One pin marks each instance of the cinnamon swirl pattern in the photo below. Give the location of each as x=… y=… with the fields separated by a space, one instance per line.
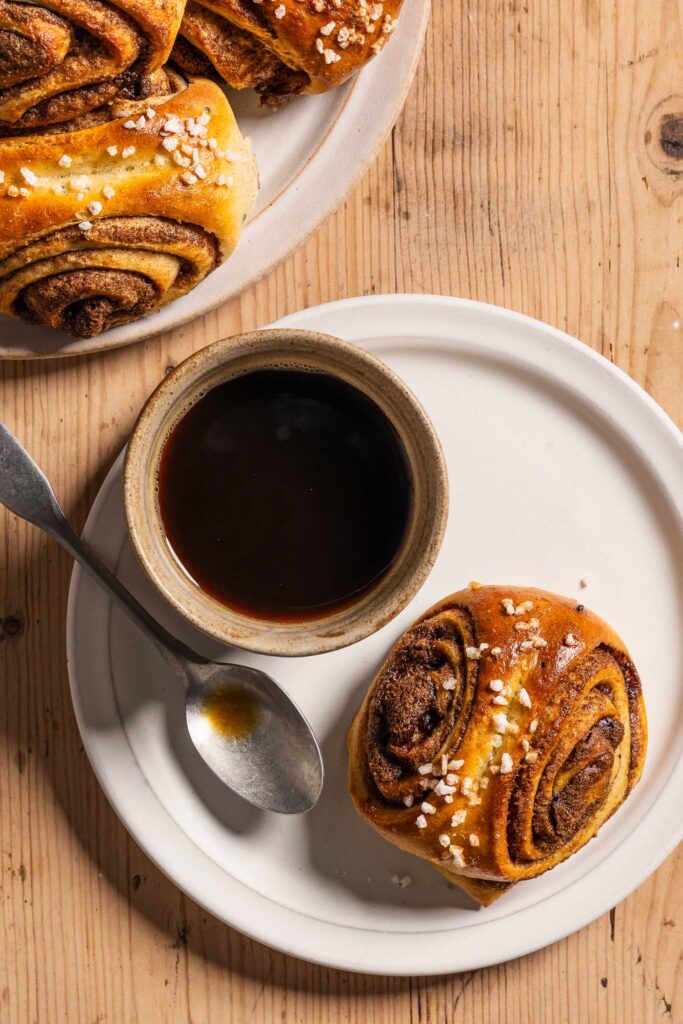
x=104 y=224
x=283 y=47
x=504 y=728
x=60 y=59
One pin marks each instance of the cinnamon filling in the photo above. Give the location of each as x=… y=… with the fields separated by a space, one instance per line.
x=87 y=302
x=62 y=107
x=580 y=788
x=55 y=68
x=31 y=39
x=19 y=57
x=212 y=45
x=554 y=801
x=416 y=706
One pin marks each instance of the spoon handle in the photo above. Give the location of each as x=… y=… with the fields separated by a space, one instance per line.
x=26 y=491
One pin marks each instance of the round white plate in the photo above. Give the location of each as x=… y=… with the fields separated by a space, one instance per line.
x=310 y=155
x=560 y=467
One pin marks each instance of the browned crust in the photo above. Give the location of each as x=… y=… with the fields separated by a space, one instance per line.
x=233 y=54
x=85 y=53
x=97 y=238
x=574 y=754
x=322 y=42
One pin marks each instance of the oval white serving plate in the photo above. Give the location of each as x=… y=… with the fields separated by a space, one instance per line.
x=561 y=467
x=310 y=155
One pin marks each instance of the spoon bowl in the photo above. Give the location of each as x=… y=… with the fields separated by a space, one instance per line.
x=237 y=719
x=242 y=723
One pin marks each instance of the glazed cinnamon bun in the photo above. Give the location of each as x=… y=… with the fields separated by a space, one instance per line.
x=115 y=218
x=504 y=728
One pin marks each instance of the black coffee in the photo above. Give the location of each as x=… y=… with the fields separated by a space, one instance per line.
x=285 y=494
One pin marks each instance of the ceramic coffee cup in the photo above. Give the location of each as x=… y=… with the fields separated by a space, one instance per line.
x=294 y=349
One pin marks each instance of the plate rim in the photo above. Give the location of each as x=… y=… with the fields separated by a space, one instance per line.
x=323 y=157
x=326 y=943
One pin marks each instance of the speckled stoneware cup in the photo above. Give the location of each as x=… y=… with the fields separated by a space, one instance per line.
x=287 y=349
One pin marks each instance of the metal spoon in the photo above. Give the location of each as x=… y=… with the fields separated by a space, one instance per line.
x=241 y=722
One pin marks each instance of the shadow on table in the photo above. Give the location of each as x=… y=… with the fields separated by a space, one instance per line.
x=335 y=815
x=42 y=735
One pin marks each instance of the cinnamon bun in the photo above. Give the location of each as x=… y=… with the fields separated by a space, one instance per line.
x=504 y=728
x=115 y=218
x=283 y=48
x=60 y=59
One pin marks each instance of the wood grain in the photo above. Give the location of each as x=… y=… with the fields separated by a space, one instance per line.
x=538 y=164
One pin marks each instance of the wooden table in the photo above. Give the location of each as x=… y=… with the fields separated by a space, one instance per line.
x=538 y=164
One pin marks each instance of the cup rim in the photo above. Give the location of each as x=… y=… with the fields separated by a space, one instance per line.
x=228 y=357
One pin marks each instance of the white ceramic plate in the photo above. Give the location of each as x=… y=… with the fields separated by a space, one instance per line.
x=560 y=467
x=310 y=155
